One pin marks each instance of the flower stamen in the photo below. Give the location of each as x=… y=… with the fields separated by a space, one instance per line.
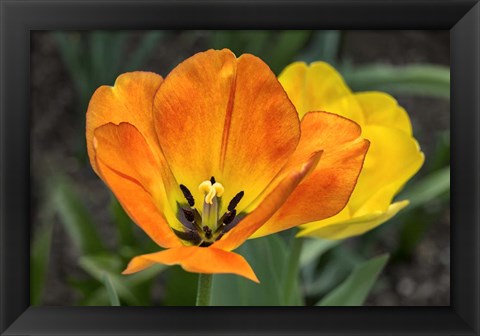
x=188 y=195
x=189 y=235
x=205 y=229
x=189 y=215
x=226 y=219
x=229 y=217
x=235 y=200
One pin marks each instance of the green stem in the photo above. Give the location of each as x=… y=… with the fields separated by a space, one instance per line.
x=204 y=289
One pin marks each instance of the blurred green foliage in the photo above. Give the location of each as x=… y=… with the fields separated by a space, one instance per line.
x=74 y=216
x=276 y=48
x=354 y=290
x=111 y=291
x=96 y=260
x=292 y=271
x=97 y=58
x=275 y=262
x=418 y=79
x=39 y=258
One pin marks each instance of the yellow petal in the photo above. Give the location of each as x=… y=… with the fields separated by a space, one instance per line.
x=394 y=155
x=326 y=191
x=379 y=201
x=230 y=118
x=319 y=87
x=383 y=110
x=393 y=158
x=127 y=165
x=341 y=229
x=195 y=259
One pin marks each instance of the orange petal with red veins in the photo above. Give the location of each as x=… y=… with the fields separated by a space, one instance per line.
x=132 y=172
x=129 y=100
x=326 y=191
x=195 y=259
x=270 y=201
x=218 y=115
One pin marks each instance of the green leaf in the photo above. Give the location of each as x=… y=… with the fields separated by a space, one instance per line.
x=428 y=188
x=354 y=290
x=290 y=282
x=75 y=217
x=39 y=258
x=180 y=287
x=421 y=79
x=85 y=287
x=333 y=267
x=130 y=288
x=111 y=292
x=96 y=297
x=269 y=258
x=314 y=248
x=123 y=224
x=310 y=258
x=97 y=266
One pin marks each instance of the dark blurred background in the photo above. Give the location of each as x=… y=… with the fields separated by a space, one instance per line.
x=80 y=233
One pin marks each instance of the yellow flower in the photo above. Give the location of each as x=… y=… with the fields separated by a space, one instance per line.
x=202 y=159
x=393 y=158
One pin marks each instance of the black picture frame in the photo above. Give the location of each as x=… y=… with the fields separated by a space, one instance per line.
x=19 y=17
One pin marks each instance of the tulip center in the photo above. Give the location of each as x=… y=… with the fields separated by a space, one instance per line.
x=206 y=228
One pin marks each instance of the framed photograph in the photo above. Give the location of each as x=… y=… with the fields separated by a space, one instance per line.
x=299 y=167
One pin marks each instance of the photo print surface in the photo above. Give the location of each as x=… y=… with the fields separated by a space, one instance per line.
x=240 y=168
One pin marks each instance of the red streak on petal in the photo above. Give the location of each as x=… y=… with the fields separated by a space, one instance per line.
x=228 y=119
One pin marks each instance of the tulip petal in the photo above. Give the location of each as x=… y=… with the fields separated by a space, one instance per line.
x=195 y=259
x=393 y=158
x=216 y=115
x=382 y=109
x=132 y=172
x=271 y=201
x=326 y=191
x=319 y=87
x=335 y=229
x=129 y=100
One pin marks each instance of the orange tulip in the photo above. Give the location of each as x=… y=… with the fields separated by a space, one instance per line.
x=202 y=159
